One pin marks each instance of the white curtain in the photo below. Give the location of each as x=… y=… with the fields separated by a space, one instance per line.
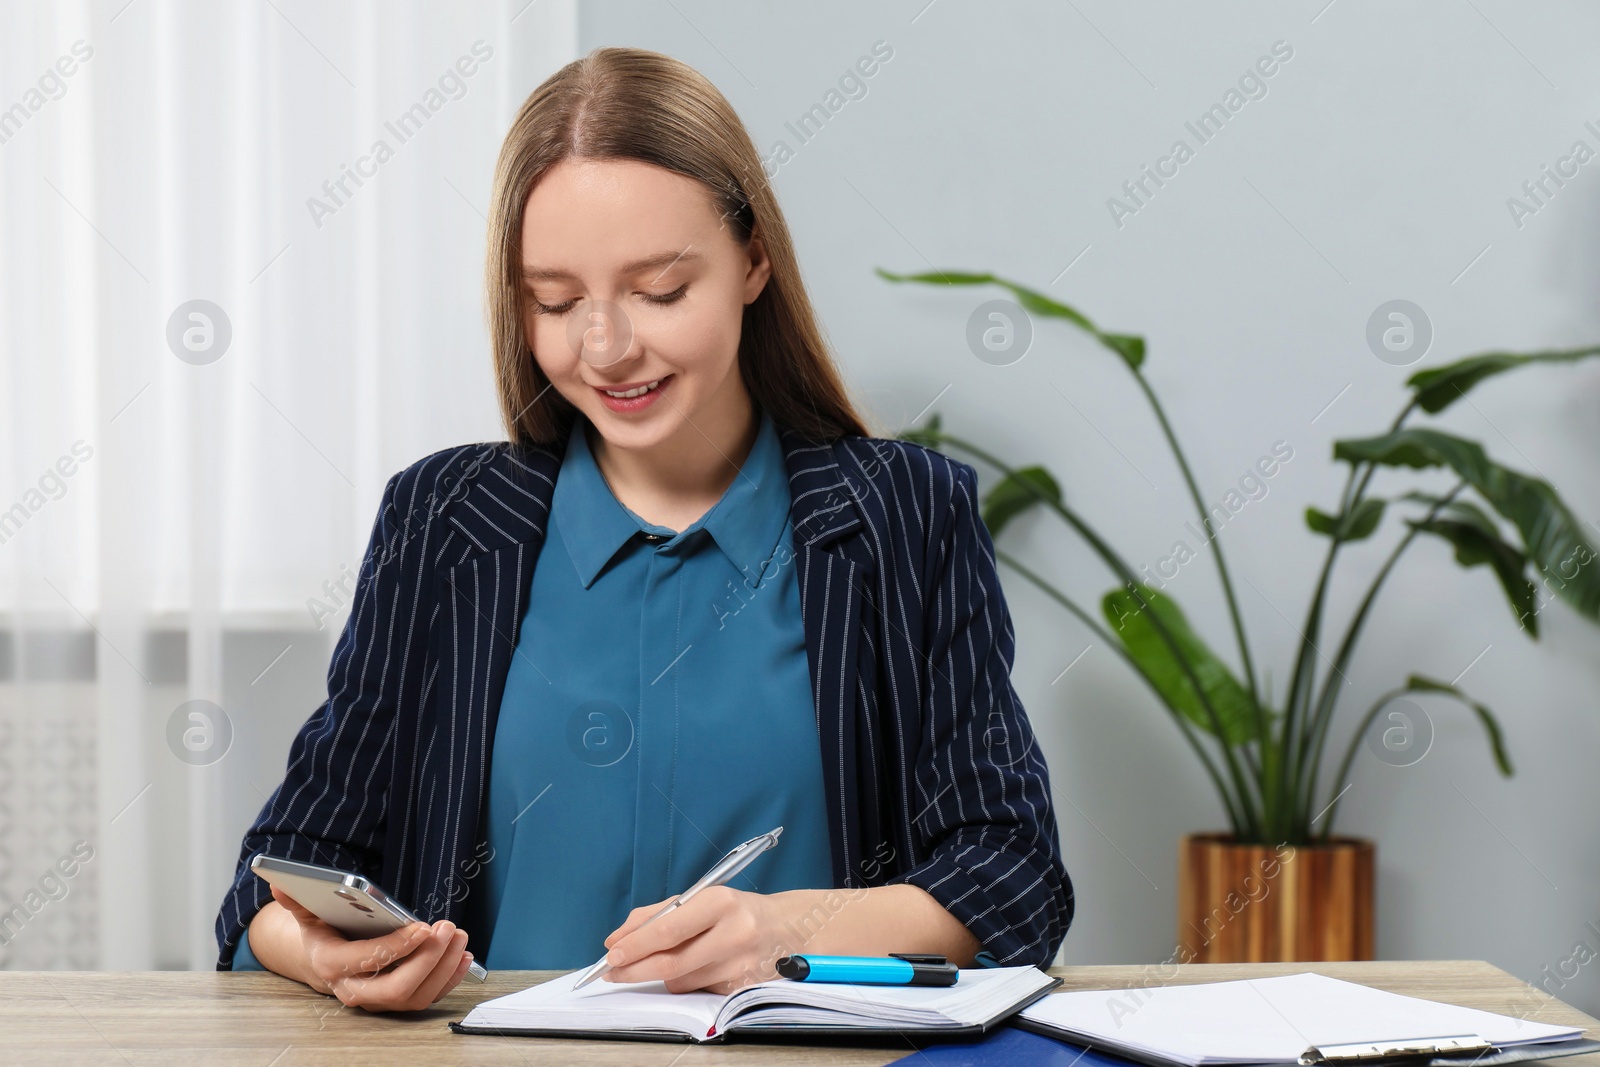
x=241 y=255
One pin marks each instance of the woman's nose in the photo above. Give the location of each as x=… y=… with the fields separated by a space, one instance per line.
x=602 y=335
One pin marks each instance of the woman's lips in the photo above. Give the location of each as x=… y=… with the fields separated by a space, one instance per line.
x=628 y=405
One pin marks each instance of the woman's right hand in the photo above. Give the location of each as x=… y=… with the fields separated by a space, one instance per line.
x=405 y=970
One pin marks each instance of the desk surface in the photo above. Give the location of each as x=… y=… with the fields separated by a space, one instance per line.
x=178 y=1017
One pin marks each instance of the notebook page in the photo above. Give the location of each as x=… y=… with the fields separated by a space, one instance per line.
x=977 y=997
x=601 y=1005
x=1268 y=1020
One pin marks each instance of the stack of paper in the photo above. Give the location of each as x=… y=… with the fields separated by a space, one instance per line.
x=1265 y=1020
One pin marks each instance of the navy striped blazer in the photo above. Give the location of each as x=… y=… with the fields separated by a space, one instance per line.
x=932 y=773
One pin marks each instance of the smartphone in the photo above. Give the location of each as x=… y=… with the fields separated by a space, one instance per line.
x=349 y=903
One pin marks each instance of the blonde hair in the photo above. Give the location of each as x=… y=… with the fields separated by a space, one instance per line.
x=633 y=104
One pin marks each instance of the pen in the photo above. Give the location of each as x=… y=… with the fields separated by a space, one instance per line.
x=723 y=871
x=903 y=968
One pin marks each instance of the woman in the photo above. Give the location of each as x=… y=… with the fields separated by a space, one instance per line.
x=690 y=600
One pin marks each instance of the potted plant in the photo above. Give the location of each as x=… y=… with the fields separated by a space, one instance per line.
x=1278 y=884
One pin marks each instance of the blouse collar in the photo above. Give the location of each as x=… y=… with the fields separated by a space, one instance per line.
x=745 y=523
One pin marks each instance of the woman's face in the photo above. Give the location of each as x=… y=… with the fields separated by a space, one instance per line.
x=633 y=278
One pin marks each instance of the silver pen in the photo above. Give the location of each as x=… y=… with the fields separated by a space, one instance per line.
x=722 y=872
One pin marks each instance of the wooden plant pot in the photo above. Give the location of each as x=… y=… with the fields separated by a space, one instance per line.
x=1271 y=904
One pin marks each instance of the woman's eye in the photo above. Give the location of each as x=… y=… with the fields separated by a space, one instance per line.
x=552 y=309
x=540 y=308
x=667 y=298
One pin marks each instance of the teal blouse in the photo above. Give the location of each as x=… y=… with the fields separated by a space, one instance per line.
x=657 y=712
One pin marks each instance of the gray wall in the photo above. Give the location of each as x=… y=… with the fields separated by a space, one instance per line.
x=1377 y=166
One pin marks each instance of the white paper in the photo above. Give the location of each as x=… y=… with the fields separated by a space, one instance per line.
x=1269 y=1020
x=599 y=1006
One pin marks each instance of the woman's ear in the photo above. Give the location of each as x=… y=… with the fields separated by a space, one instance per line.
x=755 y=280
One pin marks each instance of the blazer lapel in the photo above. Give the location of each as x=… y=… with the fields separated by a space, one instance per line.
x=835 y=572
x=480 y=599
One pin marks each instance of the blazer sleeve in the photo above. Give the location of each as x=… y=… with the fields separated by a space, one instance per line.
x=983 y=810
x=332 y=805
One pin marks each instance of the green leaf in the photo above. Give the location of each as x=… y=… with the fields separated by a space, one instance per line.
x=938 y=277
x=1127 y=346
x=1040 y=304
x=927 y=435
x=1439 y=387
x=1552 y=537
x=1321 y=522
x=1460 y=510
x=1016 y=493
x=1356 y=526
x=1478 y=543
x=1129 y=612
x=1418 y=684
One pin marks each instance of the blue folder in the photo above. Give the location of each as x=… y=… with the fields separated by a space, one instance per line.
x=1010 y=1047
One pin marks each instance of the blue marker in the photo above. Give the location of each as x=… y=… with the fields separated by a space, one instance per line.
x=900 y=968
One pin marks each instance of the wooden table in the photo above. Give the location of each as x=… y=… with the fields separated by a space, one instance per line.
x=179 y=1017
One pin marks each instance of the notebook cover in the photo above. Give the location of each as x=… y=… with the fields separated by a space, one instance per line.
x=784 y=1034
x=591 y=1035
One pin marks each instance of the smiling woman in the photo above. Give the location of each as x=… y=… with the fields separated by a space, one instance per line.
x=646 y=349
x=534 y=731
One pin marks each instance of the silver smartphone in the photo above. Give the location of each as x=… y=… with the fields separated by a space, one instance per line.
x=349 y=903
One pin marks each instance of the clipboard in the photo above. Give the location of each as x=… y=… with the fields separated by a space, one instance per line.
x=1299 y=1020
x=1441 y=1052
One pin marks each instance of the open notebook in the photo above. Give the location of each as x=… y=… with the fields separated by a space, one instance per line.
x=981 y=998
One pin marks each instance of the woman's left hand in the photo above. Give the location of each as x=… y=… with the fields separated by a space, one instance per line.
x=721 y=940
